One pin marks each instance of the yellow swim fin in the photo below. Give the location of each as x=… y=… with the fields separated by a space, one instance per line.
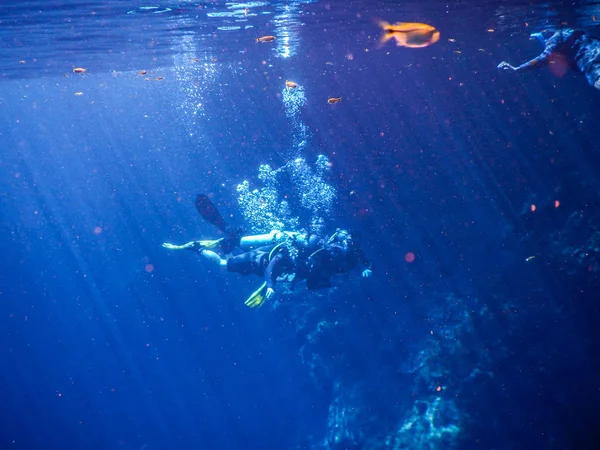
x=194 y=245
x=210 y=244
x=257 y=298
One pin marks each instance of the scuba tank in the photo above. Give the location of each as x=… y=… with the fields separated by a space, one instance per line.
x=259 y=240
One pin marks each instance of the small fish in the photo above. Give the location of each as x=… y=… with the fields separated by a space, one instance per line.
x=333 y=100
x=265 y=39
x=22 y=61
x=530 y=258
x=142 y=72
x=195 y=59
x=328 y=63
x=158 y=78
x=409 y=34
x=77 y=94
x=290 y=84
x=79 y=70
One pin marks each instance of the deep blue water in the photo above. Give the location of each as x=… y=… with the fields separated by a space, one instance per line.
x=110 y=341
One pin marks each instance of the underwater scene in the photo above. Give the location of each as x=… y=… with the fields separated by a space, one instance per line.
x=290 y=225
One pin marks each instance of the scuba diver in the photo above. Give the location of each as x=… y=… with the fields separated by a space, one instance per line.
x=278 y=254
x=579 y=50
x=340 y=254
x=266 y=255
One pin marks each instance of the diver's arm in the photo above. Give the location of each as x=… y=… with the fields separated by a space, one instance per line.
x=362 y=257
x=540 y=61
x=270 y=274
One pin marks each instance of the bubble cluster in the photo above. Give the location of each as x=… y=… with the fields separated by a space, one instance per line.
x=293 y=101
x=315 y=194
x=263 y=210
x=295 y=183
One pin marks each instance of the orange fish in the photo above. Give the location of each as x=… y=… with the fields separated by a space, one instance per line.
x=79 y=70
x=333 y=100
x=142 y=72
x=265 y=39
x=409 y=34
x=290 y=84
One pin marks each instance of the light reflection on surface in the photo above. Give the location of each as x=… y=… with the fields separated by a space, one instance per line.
x=197 y=67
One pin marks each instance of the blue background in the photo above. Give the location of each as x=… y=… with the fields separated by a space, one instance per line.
x=109 y=341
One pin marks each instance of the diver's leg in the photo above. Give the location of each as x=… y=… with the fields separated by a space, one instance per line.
x=591 y=61
x=242 y=264
x=593 y=75
x=214 y=258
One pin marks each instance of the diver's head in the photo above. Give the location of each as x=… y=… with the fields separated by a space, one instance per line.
x=542 y=36
x=314 y=241
x=342 y=238
x=342 y=235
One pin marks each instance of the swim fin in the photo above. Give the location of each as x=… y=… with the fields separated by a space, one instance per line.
x=209 y=212
x=193 y=245
x=197 y=246
x=257 y=298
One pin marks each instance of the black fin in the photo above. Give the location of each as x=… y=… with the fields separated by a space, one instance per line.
x=209 y=212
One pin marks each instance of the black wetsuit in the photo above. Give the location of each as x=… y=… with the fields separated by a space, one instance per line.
x=333 y=259
x=257 y=262
x=581 y=51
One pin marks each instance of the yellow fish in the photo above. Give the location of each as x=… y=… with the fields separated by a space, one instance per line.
x=409 y=34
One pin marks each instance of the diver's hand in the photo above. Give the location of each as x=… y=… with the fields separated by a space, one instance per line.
x=506 y=66
x=367 y=273
x=270 y=293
